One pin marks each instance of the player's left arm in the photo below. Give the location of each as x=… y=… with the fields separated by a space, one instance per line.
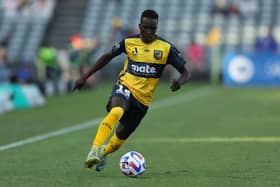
x=176 y=83
x=178 y=62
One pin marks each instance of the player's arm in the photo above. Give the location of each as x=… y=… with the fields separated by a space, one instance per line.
x=185 y=76
x=178 y=62
x=100 y=63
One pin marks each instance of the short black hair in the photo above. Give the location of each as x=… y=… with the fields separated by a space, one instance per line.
x=149 y=14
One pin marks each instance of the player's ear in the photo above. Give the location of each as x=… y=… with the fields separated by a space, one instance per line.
x=139 y=26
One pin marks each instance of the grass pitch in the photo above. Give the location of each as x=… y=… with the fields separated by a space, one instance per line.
x=199 y=136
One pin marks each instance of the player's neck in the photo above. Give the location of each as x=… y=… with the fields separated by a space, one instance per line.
x=154 y=38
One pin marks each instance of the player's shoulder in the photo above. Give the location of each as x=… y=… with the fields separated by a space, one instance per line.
x=172 y=46
x=165 y=41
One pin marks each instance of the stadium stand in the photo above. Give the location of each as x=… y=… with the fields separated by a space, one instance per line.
x=66 y=21
x=181 y=21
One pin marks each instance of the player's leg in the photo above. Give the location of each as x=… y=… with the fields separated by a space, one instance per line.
x=129 y=122
x=117 y=139
x=113 y=145
x=117 y=107
x=116 y=110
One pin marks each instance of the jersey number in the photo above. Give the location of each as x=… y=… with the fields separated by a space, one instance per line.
x=121 y=90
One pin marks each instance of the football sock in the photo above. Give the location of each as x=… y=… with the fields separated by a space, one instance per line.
x=113 y=145
x=94 y=148
x=107 y=125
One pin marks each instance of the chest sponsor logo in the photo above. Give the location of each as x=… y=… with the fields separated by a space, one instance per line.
x=144 y=69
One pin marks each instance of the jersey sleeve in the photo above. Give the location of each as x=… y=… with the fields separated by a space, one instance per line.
x=175 y=59
x=118 y=48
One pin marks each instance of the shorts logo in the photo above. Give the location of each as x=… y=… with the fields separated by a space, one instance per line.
x=158 y=54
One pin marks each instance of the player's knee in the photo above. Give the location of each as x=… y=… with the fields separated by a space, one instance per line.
x=123 y=133
x=117 y=101
x=117 y=112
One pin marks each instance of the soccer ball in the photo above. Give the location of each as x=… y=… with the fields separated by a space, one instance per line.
x=132 y=164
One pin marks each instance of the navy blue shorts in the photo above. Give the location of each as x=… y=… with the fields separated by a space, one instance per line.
x=134 y=111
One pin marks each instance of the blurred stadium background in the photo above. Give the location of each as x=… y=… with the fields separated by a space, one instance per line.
x=226 y=131
x=48 y=43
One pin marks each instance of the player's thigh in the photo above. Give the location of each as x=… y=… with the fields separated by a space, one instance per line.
x=118 y=101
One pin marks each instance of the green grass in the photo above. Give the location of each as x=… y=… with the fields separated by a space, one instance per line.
x=166 y=138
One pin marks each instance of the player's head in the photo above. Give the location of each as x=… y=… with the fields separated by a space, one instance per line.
x=148 y=25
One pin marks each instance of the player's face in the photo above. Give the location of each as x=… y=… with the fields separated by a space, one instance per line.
x=148 y=28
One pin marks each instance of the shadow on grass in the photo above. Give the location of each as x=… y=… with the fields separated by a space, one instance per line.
x=146 y=175
x=166 y=173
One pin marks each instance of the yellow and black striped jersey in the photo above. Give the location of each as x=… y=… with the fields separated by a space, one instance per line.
x=145 y=63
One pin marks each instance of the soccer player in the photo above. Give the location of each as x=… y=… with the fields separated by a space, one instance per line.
x=146 y=56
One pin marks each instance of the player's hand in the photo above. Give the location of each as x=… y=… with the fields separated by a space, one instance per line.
x=175 y=85
x=79 y=84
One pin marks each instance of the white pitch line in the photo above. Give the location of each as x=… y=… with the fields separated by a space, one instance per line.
x=209 y=140
x=186 y=97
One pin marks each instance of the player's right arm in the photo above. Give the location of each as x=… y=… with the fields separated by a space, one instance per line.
x=100 y=63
